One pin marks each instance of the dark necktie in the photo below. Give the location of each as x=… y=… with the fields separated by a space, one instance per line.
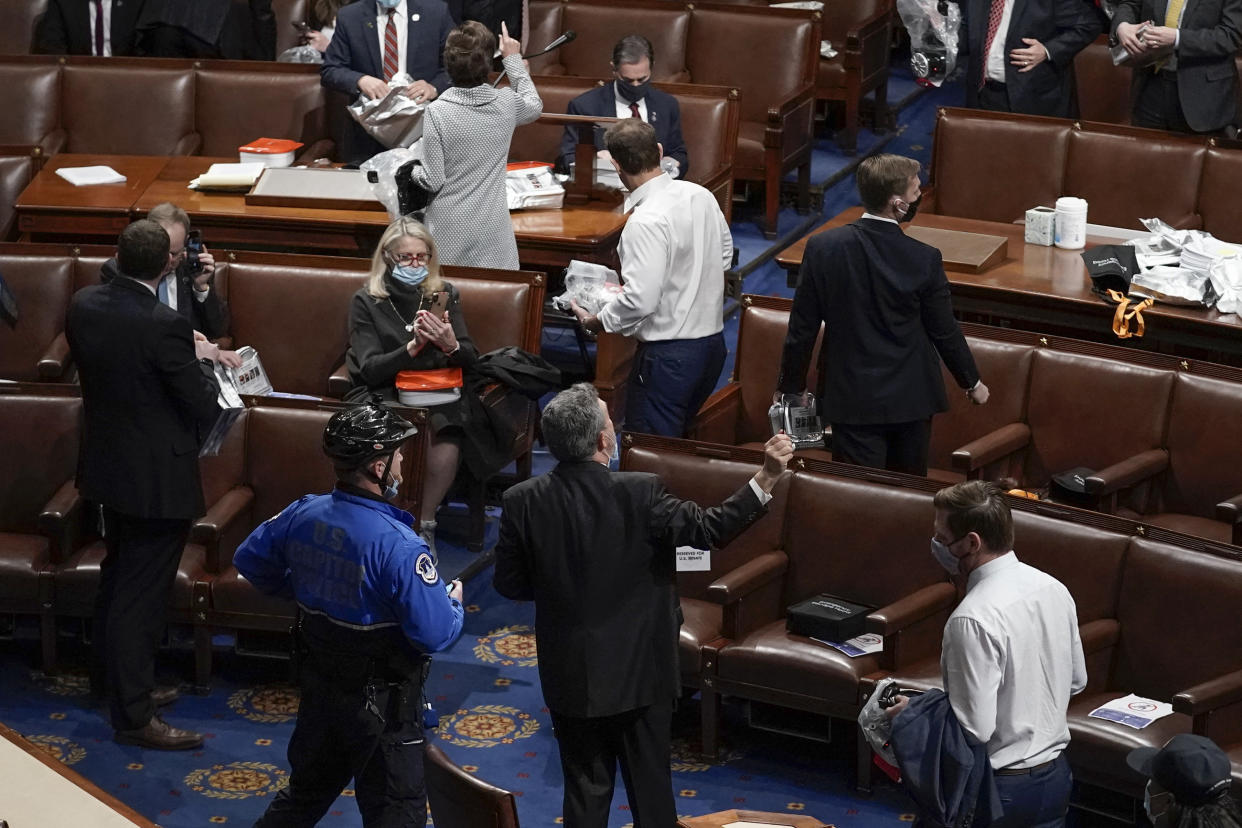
x=390 y=46
x=994 y=18
x=99 y=29
x=634 y=110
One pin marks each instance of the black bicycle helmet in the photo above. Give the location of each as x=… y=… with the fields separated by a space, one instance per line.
x=359 y=434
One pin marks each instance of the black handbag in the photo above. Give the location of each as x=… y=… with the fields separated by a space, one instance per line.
x=411 y=197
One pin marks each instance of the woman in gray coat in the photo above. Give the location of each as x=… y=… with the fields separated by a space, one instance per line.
x=465 y=144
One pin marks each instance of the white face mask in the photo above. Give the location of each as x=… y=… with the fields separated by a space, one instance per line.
x=940 y=551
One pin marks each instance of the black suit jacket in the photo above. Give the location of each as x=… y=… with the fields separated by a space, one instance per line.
x=66 y=28
x=884 y=302
x=209 y=317
x=355 y=52
x=595 y=551
x=1065 y=27
x=663 y=113
x=146 y=399
x=1208 y=38
x=491 y=13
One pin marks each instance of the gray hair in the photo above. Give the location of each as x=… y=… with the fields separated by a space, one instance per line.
x=572 y=422
x=632 y=49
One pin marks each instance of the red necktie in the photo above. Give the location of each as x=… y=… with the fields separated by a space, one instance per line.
x=390 y=46
x=634 y=110
x=99 y=29
x=994 y=18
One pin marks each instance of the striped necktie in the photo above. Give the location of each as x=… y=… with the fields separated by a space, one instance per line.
x=99 y=29
x=995 y=13
x=390 y=46
x=634 y=111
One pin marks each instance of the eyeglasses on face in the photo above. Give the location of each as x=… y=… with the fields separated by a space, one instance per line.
x=407 y=259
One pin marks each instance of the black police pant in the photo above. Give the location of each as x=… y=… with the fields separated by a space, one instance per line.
x=135 y=578
x=899 y=447
x=591 y=748
x=338 y=738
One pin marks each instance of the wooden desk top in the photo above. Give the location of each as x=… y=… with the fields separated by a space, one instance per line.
x=50 y=192
x=1047 y=276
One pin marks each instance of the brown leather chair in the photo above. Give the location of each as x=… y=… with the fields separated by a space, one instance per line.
x=36 y=487
x=16 y=171
x=234 y=106
x=30 y=97
x=35 y=350
x=601 y=25
x=1219 y=207
x=546 y=25
x=289 y=12
x=21 y=21
x=861 y=33
x=114 y=108
x=461 y=800
x=1103 y=87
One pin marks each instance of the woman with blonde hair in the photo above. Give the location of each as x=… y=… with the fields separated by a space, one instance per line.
x=392 y=329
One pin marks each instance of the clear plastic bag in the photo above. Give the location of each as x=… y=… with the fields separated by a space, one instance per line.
x=385 y=166
x=300 y=54
x=394 y=120
x=933 y=26
x=590 y=285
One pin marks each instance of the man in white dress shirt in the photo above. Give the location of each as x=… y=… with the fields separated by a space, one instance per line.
x=674 y=251
x=1011 y=656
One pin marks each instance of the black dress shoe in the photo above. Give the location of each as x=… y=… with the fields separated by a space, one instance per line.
x=165 y=695
x=159 y=735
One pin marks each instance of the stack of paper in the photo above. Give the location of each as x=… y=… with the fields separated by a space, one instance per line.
x=229 y=177
x=86 y=176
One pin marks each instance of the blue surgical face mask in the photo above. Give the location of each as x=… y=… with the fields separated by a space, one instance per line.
x=388 y=4
x=614 y=462
x=390 y=491
x=940 y=551
x=409 y=274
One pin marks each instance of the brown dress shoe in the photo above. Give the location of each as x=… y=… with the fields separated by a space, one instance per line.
x=159 y=735
x=164 y=695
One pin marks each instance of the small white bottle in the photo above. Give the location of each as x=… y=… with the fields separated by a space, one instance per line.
x=1071 y=223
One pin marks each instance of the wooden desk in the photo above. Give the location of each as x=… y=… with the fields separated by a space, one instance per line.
x=52 y=209
x=722 y=818
x=1047 y=290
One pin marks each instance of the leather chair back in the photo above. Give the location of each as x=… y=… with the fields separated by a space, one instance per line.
x=495 y=311
x=1087 y=560
x=29 y=99
x=1092 y=412
x=1006 y=368
x=707 y=481
x=871 y=562
x=973 y=167
x=222 y=472
x=1205 y=446
x=1179 y=619
x=297 y=318
x=16 y=171
x=1103 y=87
x=1220 y=208
x=284 y=458
x=600 y=26
x=86 y=271
x=127 y=110
x=1111 y=167
x=705 y=126
x=42 y=287
x=760 y=340
x=462 y=800
x=21 y=21
x=40 y=455
x=234 y=107
x=287 y=13
x=761 y=52
x=542 y=142
x=546 y=25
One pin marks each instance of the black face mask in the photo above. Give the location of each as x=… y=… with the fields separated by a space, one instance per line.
x=633 y=93
x=912 y=209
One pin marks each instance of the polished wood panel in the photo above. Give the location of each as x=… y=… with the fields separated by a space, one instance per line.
x=51 y=205
x=1047 y=290
x=965 y=252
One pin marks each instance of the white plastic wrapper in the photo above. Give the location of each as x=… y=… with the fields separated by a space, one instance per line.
x=1226 y=278
x=590 y=285
x=1187 y=267
x=385 y=166
x=300 y=54
x=1174 y=286
x=533 y=186
x=394 y=120
x=933 y=26
x=876 y=727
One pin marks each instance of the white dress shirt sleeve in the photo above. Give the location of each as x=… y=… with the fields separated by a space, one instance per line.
x=1078 y=682
x=763 y=496
x=971 y=663
x=643 y=274
x=726 y=241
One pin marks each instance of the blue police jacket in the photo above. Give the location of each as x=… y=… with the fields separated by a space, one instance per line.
x=354 y=558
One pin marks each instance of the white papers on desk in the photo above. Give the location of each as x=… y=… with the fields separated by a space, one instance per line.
x=229 y=176
x=859 y=645
x=88 y=176
x=826 y=51
x=1132 y=711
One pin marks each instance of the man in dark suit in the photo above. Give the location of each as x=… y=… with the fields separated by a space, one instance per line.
x=363 y=57
x=101 y=28
x=147 y=405
x=1194 y=89
x=631 y=95
x=884 y=302
x=492 y=13
x=187 y=289
x=595 y=551
x=226 y=29
x=1022 y=54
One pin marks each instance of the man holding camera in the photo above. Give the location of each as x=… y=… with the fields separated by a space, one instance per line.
x=187 y=284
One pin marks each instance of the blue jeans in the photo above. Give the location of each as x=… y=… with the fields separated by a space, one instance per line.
x=1039 y=799
x=669 y=383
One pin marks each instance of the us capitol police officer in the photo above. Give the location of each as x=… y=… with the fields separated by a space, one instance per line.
x=370 y=607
